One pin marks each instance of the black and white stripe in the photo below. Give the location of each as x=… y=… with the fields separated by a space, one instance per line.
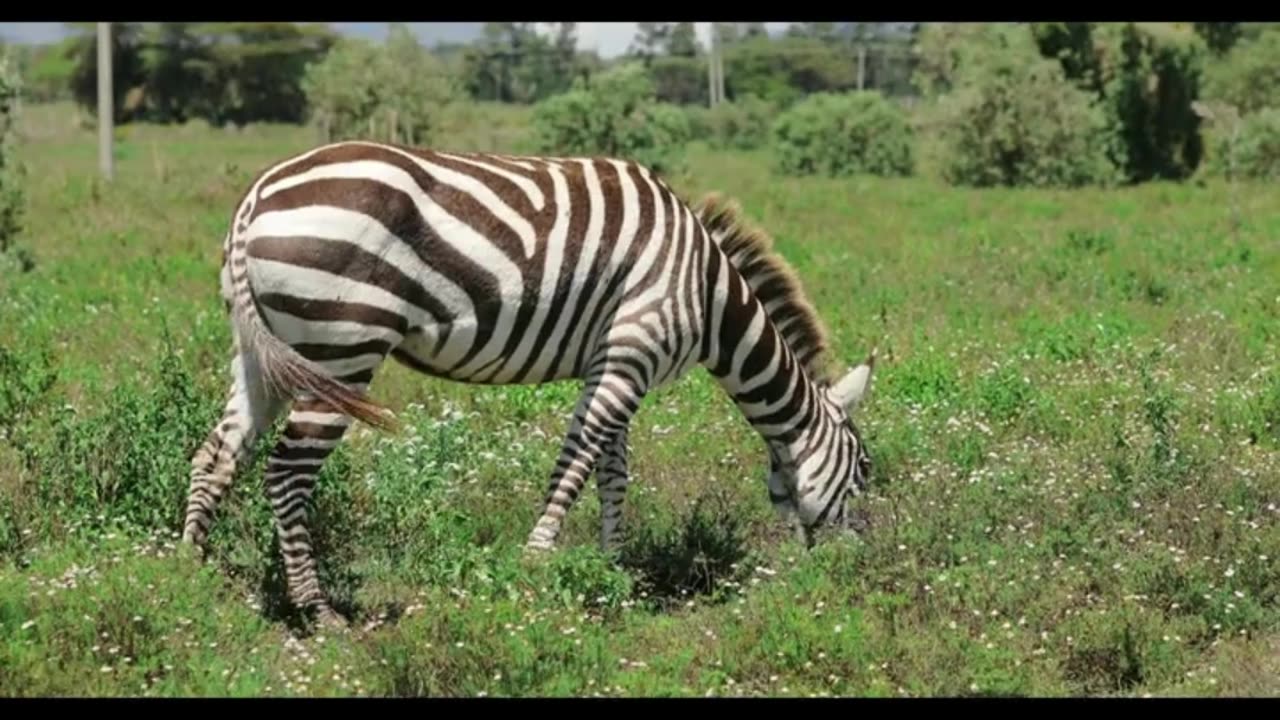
x=494 y=269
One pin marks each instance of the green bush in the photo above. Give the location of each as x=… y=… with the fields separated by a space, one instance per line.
x=843 y=134
x=129 y=462
x=1017 y=121
x=742 y=124
x=11 y=197
x=699 y=118
x=616 y=116
x=1246 y=77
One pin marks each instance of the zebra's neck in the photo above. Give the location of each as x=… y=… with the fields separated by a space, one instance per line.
x=748 y=356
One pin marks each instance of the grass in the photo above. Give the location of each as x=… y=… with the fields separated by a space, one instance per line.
x=1076 y=429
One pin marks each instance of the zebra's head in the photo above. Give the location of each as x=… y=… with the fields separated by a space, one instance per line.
x=830 y=464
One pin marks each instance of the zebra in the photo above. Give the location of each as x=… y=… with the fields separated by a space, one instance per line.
x=497 y=269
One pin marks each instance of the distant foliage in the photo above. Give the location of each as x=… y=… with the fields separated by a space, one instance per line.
x=127 y=70
x=843 y=134
x=1250 y=147
x=45 y=69
x=1017 y=121
x=1247 y=76
x=11 y=195
x=1220 y=36
x=512 y=62
x=743 y=124
x=680 y=80
x=240 y=72
x=946 y=50
x=1144 y=77
x=393 y=92
x=617 y=115
x=1148 y=75
x=785 y=70
x=1151 y=74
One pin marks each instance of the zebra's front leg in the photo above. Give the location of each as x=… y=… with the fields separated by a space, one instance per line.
x=311 y=434
x=604 y=411
x=612 y=478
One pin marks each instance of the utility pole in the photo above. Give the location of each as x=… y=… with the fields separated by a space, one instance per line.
x=106 y=114
x=719 y=68
x=711 y=67
x=862 y=64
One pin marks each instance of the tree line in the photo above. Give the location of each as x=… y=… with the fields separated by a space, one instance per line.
x=1130 y=95
x=256 y=72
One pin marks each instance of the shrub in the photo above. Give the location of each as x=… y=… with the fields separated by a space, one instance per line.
x=742 y=124
x=1246 y=77
x=699 y=118
x=11 y=197
x=618 y=116
x=129 y=462
x=1016 y=120
x=843 y=134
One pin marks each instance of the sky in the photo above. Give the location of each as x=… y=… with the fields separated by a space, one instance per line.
x=609 y=39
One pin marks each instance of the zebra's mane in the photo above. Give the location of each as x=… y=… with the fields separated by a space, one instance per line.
x=773 y=281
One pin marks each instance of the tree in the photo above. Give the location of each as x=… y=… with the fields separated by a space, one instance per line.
x=1219 y=36
x=824 y=31
x=682 y=41
x=264 y=64
x=512 y=62
x=183 y=76
x=222 y=72
x=128 y=72
x=650 y=40
x=679 y=80
x=1246 y=76
x=45 y=70
x=728 y=32
x=782 y=70
x=411 y=87
x=12 y=198
x=394 y=91
x=341 y=90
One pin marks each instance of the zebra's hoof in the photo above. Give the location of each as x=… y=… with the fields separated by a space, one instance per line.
x=327 y=619
x=190 y=551
x=536 y=551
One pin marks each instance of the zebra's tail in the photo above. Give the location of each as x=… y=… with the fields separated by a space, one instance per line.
x=286 y=371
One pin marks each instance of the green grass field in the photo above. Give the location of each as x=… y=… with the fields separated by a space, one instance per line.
x=1075 y=423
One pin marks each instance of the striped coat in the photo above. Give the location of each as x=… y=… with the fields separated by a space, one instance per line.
x=494 y=269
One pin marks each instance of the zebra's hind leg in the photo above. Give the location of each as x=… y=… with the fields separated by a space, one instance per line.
x=612 y=478
x=312 y=432
x=250 y=410
x=608 y=402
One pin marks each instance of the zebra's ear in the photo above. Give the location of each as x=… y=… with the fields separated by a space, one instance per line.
x=852 y=388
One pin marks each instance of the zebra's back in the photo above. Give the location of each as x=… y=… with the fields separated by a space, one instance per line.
x=475 y=267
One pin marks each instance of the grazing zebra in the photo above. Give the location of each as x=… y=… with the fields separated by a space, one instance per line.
x=486 y=268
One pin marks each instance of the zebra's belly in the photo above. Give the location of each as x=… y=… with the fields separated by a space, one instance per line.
x=438 y=351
